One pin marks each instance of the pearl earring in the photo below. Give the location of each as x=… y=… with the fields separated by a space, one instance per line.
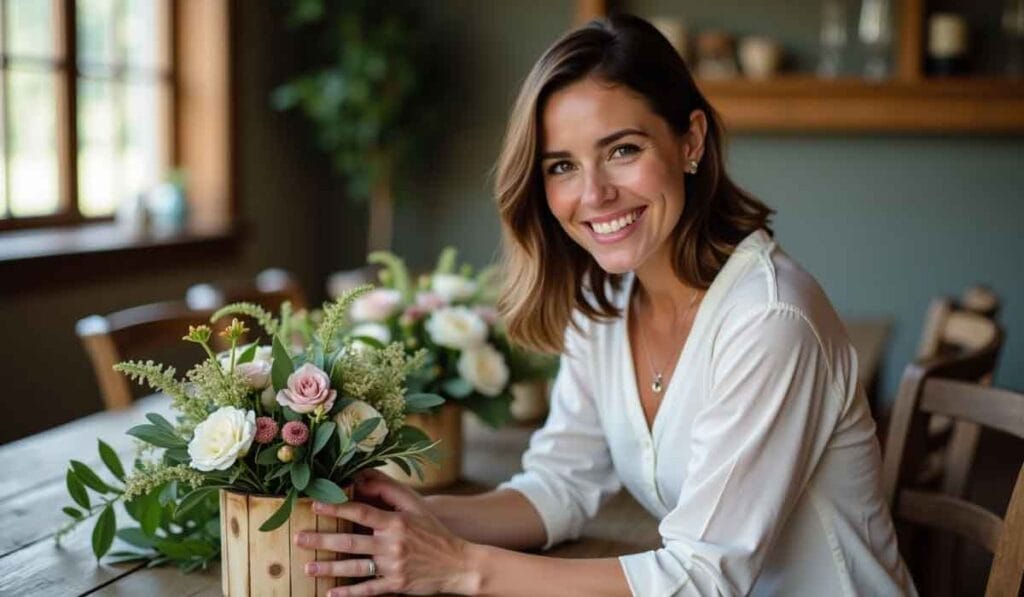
x=691 y=167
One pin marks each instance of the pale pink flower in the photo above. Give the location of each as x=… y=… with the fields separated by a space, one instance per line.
x=412 y=315
x=430 y=301
x=308 y=388
x=376 y=305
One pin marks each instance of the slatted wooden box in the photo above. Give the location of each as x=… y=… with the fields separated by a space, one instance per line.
x=444 y=425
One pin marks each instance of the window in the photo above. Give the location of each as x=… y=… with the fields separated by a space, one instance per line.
x=86 y=107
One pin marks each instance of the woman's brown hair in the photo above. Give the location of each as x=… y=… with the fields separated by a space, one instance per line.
x=546 y=274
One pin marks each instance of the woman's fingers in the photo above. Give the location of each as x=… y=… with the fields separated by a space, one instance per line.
x=340 y=542
x=379 y=586
x=352 y=567
x=361 y=514
x=374 y=484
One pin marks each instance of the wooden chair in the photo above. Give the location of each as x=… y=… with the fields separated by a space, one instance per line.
x=110 y=339
x=935 y=387
x=270 y=289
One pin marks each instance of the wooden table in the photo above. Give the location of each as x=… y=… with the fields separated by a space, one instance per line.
x=32 y=493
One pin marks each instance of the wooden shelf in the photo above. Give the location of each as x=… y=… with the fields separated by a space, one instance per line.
x=808 y=104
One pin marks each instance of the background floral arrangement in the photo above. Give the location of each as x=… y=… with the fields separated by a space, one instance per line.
x=452 y=315
x=297 y=417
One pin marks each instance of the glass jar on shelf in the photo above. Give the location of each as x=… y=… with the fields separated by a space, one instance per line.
x=832 y=38
x=875 y=32
x=716 y=57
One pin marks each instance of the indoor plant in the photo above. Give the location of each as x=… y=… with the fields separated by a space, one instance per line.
x=260 y=430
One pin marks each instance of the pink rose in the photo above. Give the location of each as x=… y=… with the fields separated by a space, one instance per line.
x=430 y=301
x=376 y=305
x=308 y=388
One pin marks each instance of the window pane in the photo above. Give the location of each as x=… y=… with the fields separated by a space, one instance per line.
x=146 y=42
x=98 y=129
x=144 y=124
x=32 y=127
x=96 y=34
x=30 y=28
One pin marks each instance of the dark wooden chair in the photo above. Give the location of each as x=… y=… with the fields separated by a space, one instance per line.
x=110 y=339
x=936 y=387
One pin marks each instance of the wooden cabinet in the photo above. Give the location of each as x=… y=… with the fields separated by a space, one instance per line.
x=910 y=102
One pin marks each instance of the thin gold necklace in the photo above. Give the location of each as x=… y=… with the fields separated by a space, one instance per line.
x=658 y=384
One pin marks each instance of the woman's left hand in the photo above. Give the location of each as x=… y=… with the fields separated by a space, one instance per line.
x=411 y=551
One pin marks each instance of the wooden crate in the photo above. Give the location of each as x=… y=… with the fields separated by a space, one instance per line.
x=446 y=426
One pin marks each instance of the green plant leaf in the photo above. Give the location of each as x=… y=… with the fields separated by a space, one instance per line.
x=89 y=478
x=495 y=411
x=124 y=557
x=300 y=475
x=73 y=512
x=281 y=515
x=422 y=403
x=268 y=455
x=364 y=429
x=402 y=464
x=323 y=435
x=410 y=434
x=194 y=499
x=399 y=272
x=149 y=515
x=279 y=472
x=77 y=491
x=103 y=532
x=446 y=261
x=282 y=367
x=457 y=387
x=109 y=458
x=247 y=355
x=157 y=436
x=168 y=494
x=290 y=415
x=135 y=536
x=326 y=491
x=174 y=456
x=160 y=422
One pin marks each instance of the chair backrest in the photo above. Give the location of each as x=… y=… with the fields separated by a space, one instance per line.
x=927 y=391
x=269 y=289
x=951 y=326
x=110 y=339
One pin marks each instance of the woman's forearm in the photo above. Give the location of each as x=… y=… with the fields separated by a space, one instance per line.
x=495 y=571
x=503 y=518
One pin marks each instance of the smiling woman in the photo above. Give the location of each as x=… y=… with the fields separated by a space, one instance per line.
x=702 y=369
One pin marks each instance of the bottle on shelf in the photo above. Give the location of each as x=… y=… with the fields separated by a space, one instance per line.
x=875 y=32
x=833 y=38
x=947 y=44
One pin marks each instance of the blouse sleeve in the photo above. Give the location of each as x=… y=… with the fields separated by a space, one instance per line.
x=756 y=441
x=567 y=469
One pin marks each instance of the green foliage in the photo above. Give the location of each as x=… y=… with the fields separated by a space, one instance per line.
x=368 y=98
x=398 y=273
x=261 y=315
x=336 y=317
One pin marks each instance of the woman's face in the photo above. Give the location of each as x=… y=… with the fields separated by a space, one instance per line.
x=613 y=171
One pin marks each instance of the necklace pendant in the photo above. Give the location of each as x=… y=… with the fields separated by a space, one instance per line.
x=656 y=385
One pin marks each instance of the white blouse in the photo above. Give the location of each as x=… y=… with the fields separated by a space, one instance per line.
x=762 y=465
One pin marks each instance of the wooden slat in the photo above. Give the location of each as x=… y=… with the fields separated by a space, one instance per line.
x=991 y=407
x=270 y=569
x=237 y=558
x=302 y=519
x=43 y=458
x=955 y=515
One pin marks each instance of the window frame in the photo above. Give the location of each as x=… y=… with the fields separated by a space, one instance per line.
x=66 y=72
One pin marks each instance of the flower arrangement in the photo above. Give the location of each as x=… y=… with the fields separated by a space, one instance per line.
x=279 y=419
x=452 y=315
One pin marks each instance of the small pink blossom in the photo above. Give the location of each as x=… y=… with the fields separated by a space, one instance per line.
x=295 y=433
x=266 y=430
x=430 y=301
x=376 y=305
x=487 y=313
x=411 y=316
x=308 y=388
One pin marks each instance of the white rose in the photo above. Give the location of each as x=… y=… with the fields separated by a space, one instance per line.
x=222 y=438
x=268 y=399
x=484 y=367
x=377 y=331
x=353 y=415
x=456 y=327
x=264 y=354
x=255 y=373
x=376 y=305
x=453 y=287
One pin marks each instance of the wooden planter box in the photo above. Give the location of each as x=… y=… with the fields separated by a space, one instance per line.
x=446 y=426
x=254 y=563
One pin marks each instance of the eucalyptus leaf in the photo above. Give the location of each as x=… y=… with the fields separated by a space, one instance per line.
x=291 y=415
x=149 y=514
x=457 y=387
x=135 y=536
x=282 y=367
x=364 y=429
x=89 y=478
x=103 y=532
x=326 y=491
x=160 y=422
x=73 y=512
x=323 y=435
x=109 y=458
x=247 y=355
x=422 y=403
x=77 y=491
x=157 y=436
x=300 y=475
x=268 y=455
x=280 y=516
